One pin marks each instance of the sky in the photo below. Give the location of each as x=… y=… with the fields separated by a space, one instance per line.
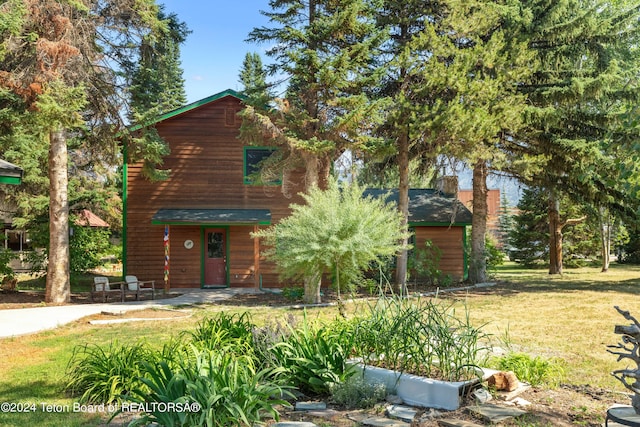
x=213 y=53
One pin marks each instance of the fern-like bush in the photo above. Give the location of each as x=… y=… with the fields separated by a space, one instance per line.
x=337 y=231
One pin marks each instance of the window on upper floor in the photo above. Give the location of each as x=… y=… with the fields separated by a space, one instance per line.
x=254 y=160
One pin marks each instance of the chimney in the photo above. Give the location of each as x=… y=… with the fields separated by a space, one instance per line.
x=448 y=185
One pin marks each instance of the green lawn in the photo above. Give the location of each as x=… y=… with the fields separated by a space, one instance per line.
x=570 y=317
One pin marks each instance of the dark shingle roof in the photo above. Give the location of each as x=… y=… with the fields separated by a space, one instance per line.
x=212 y=216
x=429 y=207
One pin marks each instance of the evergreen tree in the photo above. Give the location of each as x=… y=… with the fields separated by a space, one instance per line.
x=528 y=239
x=581 y=90
x=505 y=220
x=253 y=77
x=156 y=87
x=530 y=233
x=324 y=48
x=452 y=75
x=59 y=57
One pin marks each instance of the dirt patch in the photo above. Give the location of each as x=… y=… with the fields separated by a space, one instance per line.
x=148 y=313
x=562 y=407
x=29 y=299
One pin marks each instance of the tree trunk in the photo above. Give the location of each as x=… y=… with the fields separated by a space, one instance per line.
x=478 y=265
x=312 y=285
x=403 y=207
x=555 y=235
x=604 y=220
x=58 y=288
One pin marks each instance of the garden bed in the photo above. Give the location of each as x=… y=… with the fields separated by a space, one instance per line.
x=417 y=390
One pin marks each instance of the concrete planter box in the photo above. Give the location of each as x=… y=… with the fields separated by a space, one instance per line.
x=418 y=391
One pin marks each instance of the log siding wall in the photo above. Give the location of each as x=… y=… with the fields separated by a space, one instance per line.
x=206 y=164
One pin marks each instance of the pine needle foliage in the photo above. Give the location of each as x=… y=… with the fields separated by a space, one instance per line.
x=338 y=232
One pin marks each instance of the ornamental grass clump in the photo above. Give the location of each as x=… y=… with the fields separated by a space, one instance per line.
x=419 y=336
x=215 y=388
x=105 y=375
x=314 y=357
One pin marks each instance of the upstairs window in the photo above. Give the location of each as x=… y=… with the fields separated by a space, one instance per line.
x=254 y=159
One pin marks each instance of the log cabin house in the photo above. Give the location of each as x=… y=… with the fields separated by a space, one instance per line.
x=193 y=229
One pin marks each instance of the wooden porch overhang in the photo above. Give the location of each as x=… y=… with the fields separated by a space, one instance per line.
x=202 y=216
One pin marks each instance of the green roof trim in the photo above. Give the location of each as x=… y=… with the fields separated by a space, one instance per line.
x=202 y=216
x=10 y=180
x=10 y=173
x=189 y=107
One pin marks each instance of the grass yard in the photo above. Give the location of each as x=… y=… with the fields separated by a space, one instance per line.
x=569 y=317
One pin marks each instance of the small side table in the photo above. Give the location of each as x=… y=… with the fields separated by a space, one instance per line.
x=624 y=415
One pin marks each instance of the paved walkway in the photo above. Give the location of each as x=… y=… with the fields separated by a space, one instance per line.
x=23 y=321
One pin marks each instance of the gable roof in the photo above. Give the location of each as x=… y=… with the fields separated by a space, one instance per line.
x=86 y=218
x=428 y=206
x=10 y=173
x=189 y=107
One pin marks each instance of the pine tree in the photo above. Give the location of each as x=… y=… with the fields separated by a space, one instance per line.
x=583 y=86
x=156 y=87
x=253 y=77
x=58 y=59
x=324 y=48
x=453 y=79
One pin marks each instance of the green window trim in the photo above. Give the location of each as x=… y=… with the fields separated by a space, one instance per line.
x=252 y=157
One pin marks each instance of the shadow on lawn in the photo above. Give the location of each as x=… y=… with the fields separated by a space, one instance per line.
x=44 y=390
x=620 y=278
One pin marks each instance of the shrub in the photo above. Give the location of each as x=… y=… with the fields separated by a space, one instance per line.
x=337 y=232
x=533 y=370
x=424 y=262
x=356 y=393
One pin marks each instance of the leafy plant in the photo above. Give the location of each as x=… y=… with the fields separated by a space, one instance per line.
x=213 y=388
x=356 y=393
x=104 y=375
x=293 y=292
x=314 y=357
x=338 y=232
x=533 y=370
x=6 y=272
x=86 y=246
x=424 y=262
x=222 y=330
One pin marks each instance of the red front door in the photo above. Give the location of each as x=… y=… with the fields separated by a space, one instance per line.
x=215 y=258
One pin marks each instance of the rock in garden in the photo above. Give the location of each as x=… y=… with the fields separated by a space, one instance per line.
x=504 y=381
x=310 y=406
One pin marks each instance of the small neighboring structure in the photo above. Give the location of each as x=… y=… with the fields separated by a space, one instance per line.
x=194 y=229
x=10 y=173
x=86 y=218
x=440 y=218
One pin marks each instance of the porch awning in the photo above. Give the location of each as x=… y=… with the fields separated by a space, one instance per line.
x=10 y=173
x=188 y=216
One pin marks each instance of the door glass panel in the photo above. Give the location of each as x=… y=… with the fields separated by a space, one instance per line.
x=215 y=245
